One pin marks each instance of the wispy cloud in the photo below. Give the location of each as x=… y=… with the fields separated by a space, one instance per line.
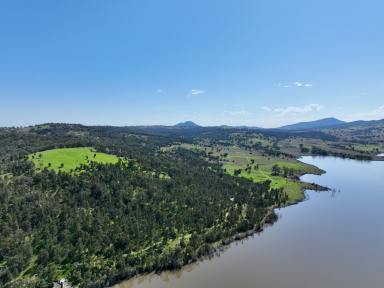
x=376 y=113
x=238 y=113
x=195 y=92
x=301 y=84
x=294 y=84
x=294 y=109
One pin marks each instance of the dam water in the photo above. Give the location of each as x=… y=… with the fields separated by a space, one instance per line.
x=333 y=239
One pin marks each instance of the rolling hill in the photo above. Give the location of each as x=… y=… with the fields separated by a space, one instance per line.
x=317 y=124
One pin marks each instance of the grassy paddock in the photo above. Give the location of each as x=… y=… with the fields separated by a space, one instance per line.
x=67 y=159
x=294 y=189
x=234 y=158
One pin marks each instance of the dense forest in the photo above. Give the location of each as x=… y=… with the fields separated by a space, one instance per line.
x=111 y=222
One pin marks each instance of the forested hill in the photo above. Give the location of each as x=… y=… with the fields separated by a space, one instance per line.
x=102 y=223
x=318 y=124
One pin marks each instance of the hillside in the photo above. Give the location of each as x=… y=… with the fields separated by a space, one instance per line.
x=317 y=124
x=112 y=220
x=368 y=132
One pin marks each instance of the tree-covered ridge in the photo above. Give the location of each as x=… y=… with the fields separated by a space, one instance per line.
x=114 y=221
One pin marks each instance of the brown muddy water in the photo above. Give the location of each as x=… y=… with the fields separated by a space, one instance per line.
x=333 y=239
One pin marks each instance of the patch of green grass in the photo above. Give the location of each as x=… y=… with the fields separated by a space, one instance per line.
x=261 y=141
x=67 y=159
x=261 y=170
x=173 y=243
x=370 y=148
x=292 y=188
x=261 y=167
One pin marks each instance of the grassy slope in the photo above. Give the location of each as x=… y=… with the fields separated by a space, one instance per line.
x=263 y=173
x=238 y=158
x=70 y=157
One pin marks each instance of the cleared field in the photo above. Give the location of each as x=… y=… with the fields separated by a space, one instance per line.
x=258 y=168
x=370 y=148
x=68 y=159
x=261 y=170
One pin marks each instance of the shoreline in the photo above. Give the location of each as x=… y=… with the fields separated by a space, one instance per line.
x=268 y=220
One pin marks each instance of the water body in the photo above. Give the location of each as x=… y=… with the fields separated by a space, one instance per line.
x=333 y=239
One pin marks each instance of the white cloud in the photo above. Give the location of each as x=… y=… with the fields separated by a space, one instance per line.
x=377 y=113
x=238 y=113
x=295 y=84
x=294 y=109
x=195 y=92
x=302 y=84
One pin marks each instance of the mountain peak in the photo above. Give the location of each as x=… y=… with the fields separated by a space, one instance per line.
x=187 y=124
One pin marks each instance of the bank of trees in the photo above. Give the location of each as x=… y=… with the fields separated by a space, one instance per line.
x=115 y=221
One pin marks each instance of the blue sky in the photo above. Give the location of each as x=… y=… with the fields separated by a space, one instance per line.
x=262 y=63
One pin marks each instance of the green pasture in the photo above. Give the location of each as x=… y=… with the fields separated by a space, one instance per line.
x=292 y=188
x=261 y=167
x=67 y=159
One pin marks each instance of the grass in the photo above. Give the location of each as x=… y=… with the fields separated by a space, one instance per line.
x=370 y=148
x=261 y=141
x=237 y=158
x=68 y=159
x=294 y=189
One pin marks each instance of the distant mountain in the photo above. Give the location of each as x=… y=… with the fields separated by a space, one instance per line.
x=318 y=124
x=187 y=124
x=358 y=131
x=363 y=124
